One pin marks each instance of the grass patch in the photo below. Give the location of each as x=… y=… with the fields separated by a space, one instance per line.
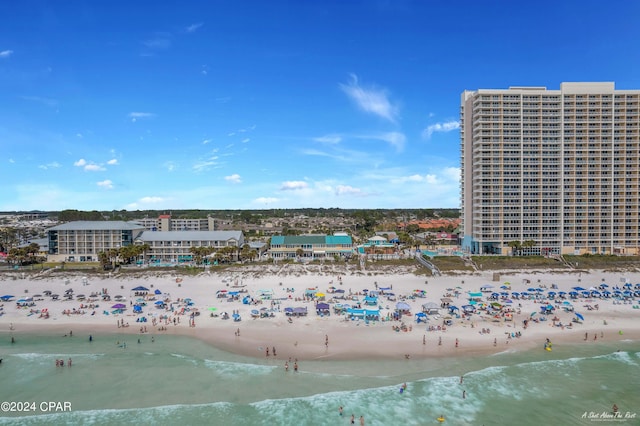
x=604 y=262
x=496 y=263
x=450 y=263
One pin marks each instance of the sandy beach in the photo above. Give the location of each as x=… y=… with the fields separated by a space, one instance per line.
x=193 y=307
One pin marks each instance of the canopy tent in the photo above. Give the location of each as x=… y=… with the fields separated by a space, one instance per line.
x=140 y=288
x=402 y=306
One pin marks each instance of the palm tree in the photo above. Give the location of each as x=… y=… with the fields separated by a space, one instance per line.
x=516 y=246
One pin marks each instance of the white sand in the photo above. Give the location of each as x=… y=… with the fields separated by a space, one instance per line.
x=304 y=338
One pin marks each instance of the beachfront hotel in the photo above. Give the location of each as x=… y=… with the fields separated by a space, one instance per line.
x=558 y=169
x=81 y=241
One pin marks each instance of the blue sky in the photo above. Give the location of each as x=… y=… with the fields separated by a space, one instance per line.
x=273 y=104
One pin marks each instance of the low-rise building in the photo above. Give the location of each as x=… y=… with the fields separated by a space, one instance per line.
x=175 y=246
x=311 y=246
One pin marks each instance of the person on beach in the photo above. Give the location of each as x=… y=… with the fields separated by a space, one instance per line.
x=267 y=351
x=286 y=366
x=456 y=342
x=90 y=338
x=295 y=366
x=361 y=421
x=424 y=339
x=69 y=362
x=464 y=394
x=340 y=410
x=353 y=419
x=326 y=340
x=440 y=341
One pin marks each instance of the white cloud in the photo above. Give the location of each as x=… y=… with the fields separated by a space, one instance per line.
x=193 y=27
x=245 y=140
x=294 y=185
x=265 y=200
x=447 y=126
x=347 y=190
x=79 y=135
x=372 y=100
x=171 y=166
x=94 y=168
x=88 y=166
x=6 y=53
x=135 y=116
x=329 y=139
x=112 y=162
x=206 y=141
x=106 y=184
x=234 y=178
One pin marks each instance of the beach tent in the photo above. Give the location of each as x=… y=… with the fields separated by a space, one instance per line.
x=430 y=308
x=371 y=301
x=157 y=291
x=140 y=288
x=323 y=309
x=402 y=306
x=486 y=288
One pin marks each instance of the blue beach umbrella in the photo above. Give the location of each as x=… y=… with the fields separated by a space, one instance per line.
x=578 y=288
x=7 y=297
x=579 y=316
x=157 y=291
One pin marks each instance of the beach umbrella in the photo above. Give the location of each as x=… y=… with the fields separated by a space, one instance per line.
x=119 y=306
x=159 y=302
x=69 y=291
x=7 y=297
x=504 y=287
x=604 y=286
x=578 y=288
x=157 y=291
x=213 y=309
x=140 y=288
x=340 y=290
x=579 y=316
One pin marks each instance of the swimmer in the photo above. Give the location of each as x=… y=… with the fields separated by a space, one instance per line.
x=339 y=409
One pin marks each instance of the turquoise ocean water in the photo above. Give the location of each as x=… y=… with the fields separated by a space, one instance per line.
x=181 y=380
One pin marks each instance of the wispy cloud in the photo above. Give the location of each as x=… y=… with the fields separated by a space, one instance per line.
x=348 y=190
x=113 y=162
x=144 y=202
x=293 y=185
x=106 y=184
x=234 y=178
x=444 y=127
x=206 y=141
x=135 y=116
x=372 y=100
x=207 y=163
x=329 y=139
x=193 y=27
x=395 y=139
x=53 y=165
x=265 y=200
x=6 y=53
x=245 y=140
x=41 y=100
x=159 y=41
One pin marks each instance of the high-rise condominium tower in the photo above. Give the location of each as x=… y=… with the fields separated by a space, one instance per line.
x=551 y=171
